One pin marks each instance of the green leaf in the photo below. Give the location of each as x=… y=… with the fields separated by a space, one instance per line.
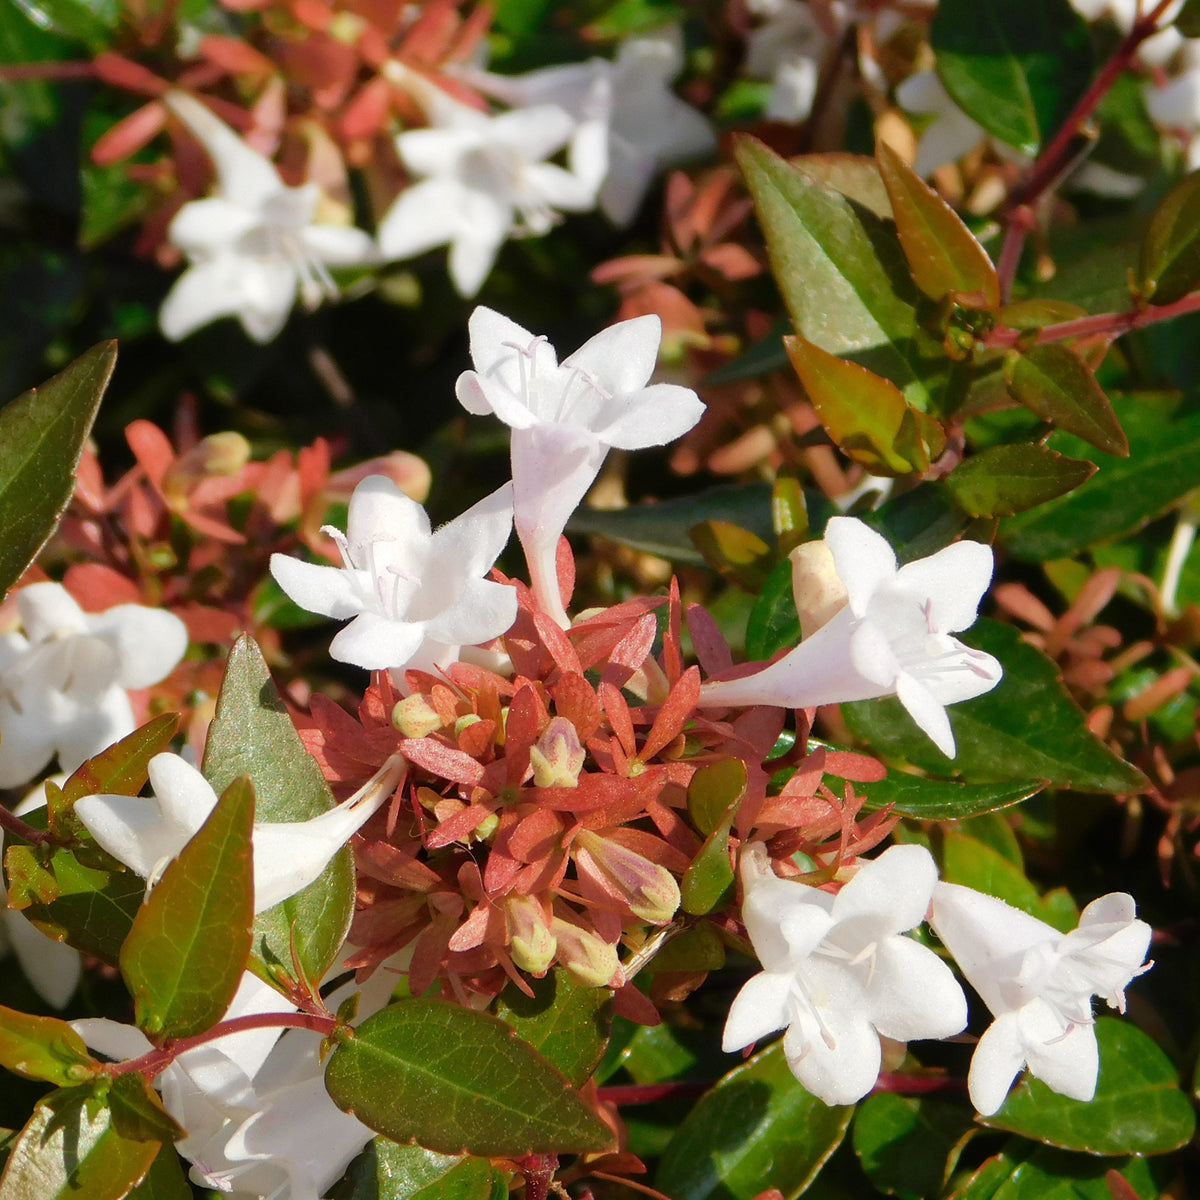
x=919 y=522
x=567 y=1023
x=90 y=21
x=189 y=943
x=943 y=799
x=137 y=1110
x=42 y=435
x=907 y=1144
x=43 y=1048
x=71 y=1151
x=386 y=1171
x=1003 y=480
x=165 y=1180
x=1016 y=69
x=945 y=258
x=713 y=789
x=1164 y=447
x=707 y=883
x=841 y=270
x=774 y=622
x=733 y=552
x=253 y=735
x=1139 y=1107
x=454 y=1080
x=966 y=860
x=1052 y=381
x=758 y=1126
x=1026 y=1172
x=1025 y=728
x=1170 y=261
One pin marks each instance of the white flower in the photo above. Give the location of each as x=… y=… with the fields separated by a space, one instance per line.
x=564 y=418
x=950 y=134
x=146 y=832
x=416 y=596
x=252 y=246
x=787 y=48
x=1176 y=105
x=838 y=971
x=1039 y=984
x=892 y=638
x=485 y=179
x=649 y=127
x=62 y=684
x=1157 y=49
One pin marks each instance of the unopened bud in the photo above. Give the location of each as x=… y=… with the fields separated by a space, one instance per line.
x=817 y=588
x=649 y=890
x=590 y=961
x=218 y=454
x=532 y=945
x=557 y=756
x=415 y=717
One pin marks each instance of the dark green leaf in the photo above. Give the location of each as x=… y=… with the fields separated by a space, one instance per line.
x=919 y=522
x=1170 y=260
x=1003 y=480
x=137 y=1110
x=966 y=860
x=841 y=271
x=70 y=1151
x=907 y=1144
x=189 y=943
x=90 y=21
x=165 y=1180
x=567 y=1023
x=760 y=359
x=386 y=1171
x=696 y=949
x=1052 y=381
x=942 y=252
x=943 y=799
x=713 y=788
x=1164 y=447
x=1025 y=728
x=454 y=1080
x=42 y=434
x=773 y=622
x=1027 y=1172
x=758 y=1127
x=1016 y=69
x=43 y=1048
x=1138 y=1109
x=733 y=552
x=253 y=735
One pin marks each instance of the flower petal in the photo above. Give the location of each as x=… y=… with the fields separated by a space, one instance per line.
x=927 y=711
x=892 y=890
x=995 y=1063
x=951 y=582
x=1068 y=1063
x=54 y=968
x=376 y=643
x=149 y=642
x=838 y=1060
x=318 y=589
x=912 y=994
x=864 y=559
x=758 y=1010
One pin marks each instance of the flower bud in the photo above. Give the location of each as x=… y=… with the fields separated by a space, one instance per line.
x=590 y=961
x=648 y=890
x=415 y=717
x=817 y=587
x=532 y=945
x=557 y=756
x=218 y=454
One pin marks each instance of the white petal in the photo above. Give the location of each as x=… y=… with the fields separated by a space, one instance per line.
x=316 y=588
x=205 y=292
x=426 y=215
x=864 y=559
x=111 y=1038
x=201 y=228
x=951 y=582
x=926 y=710
x=839 y=1061
x=381 y=512
x=488 y=222
x=85 y=730
x=26 y=743
x=1069 y=1063
x=185 y=797
x=893 y=890
x=474 y=539
x=338 y=245
x=759 y=1009
x=655 y=416
x=149 y=642
x=534 y=133
x=48 y=610
x=622 y=357
x=436 y=151
x=375 y=643
x=995 y=1063
x=911 y=993
x=53 y=968
x=485 y=610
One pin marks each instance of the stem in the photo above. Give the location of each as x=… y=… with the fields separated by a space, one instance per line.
x=1056 y=157
x=647 y=1093
x=23 y=830
x=917 y=1085
x=157 y=1061
x=18 y=72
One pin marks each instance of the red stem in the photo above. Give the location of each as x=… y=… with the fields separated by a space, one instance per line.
x=22 y=829
x=647 y=1093
x=157 y=1061
x=917 y=1085
x=1056 y=156
x=17 y=72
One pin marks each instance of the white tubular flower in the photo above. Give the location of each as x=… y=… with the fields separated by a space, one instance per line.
x=787 y=49
x=62 y=684
x=565 y=417
x=485 y=179
x=838 y=971
x=416 y=595
x=950 y=134
x=255 y=244
x=1039 y=984
x=147 y=832
x=892 y=638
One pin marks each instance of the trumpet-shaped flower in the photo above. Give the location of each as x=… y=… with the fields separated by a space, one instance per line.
x=565 y=417
x=255 y=244
x=839 y=972
x=485 y=179
x=146 y=832
x=1039 y=984
x=416 y=595
x=891 y=638
x=63 y=683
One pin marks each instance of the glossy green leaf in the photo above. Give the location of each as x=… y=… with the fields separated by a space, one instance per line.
x=758 y=1127
x=734 y=552
x=1027 y=727
x=943 y=799
x=1016 y=69
x=1023 y=1171
x=907 y=1144
x=387 y=1171
x=945 y=258
x=707 y=883
x=1139 y=1107
x=841 y=270
x=1170 y=259
x=71 y=1151
x=90 y=21
x=774 y=622
x=457 y=1080
x=42 y=435
x=1052 y=381
x=189 y=943
x=138 y=1112
x=1003 y=480
x=865 y=414
x=918 y=522
x=696 y=949
x=567 y=1023
x=253 y=735
x=1164 y=447
x=165 y=1180
x=713 y=789
x=43 y=1048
